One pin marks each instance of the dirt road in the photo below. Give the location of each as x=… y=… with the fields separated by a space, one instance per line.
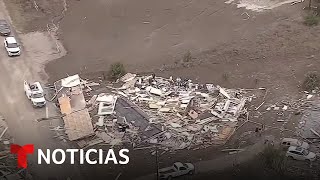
x=272 y=49
x=223 y=162
x=37 y=48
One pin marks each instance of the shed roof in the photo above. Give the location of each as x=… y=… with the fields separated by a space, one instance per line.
x=78 y=124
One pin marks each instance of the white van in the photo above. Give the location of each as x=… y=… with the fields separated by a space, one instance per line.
x=287 y=142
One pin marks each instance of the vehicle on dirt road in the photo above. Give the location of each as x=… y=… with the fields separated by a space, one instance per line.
x=301 y=154
x=12 y=47
x=287 y=142
x=176 y=170
x=4 y=28
x=35 y=94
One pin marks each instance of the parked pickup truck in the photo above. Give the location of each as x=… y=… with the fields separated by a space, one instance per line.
x=177 y=169
x=34 y=92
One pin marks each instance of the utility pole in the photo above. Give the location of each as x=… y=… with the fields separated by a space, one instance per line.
x=157 y=162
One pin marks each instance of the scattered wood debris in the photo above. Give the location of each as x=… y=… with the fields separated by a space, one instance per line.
x=174 y=114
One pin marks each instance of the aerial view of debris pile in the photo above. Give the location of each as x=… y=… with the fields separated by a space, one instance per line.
x=188 y=114
x=139 y=110
x=8 y=161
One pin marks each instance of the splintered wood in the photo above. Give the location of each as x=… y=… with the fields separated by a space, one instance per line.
x=65 y=106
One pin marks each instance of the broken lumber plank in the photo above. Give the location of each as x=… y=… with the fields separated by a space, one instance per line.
x=259 y=106
x=3 y=132
x=49 y=118
x=314 y=132
x=118 y=176
x=235 y=152
x=226 y=150
x=223 y=92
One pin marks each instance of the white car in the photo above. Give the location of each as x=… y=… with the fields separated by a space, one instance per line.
x=12 y=47
x=299 y=153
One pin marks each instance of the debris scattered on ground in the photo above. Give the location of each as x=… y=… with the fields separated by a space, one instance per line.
x=227 y=150
x=174 y=114
x=7 y=160
x=309 y=96
x=106 y=104
x=314 y=132
x=3 y=132
x=296 y=2
x=247 y=16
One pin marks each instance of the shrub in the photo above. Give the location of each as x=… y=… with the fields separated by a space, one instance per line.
x=225 y=76
x=311 y=20
x=187 y=57
x=311 y=81
x=274 y=159
x=116 y=70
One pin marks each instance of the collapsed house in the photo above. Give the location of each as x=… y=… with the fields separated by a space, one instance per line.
x=188 y=114
x=175 y=114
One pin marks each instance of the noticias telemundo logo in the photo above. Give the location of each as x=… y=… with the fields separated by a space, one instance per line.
x=60 y=156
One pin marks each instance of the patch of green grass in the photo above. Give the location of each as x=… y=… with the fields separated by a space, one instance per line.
x=116 y=70
x=187 y=57
x=311 y=20
x=274 y=159
x=311 y=81
x=225 y=76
